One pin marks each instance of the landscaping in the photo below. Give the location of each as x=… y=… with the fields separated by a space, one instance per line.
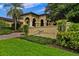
x=40 y=40
x=69 y=38
x=5 y=31
x=4 y=27
x=21 y=47
x=65 y=23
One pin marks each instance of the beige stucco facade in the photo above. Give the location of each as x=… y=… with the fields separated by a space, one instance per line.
x=31 y=19
x=39 y=25
x=34 y=20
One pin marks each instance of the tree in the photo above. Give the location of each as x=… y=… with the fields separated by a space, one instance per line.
x=15 y=11
x=68 y=11
x=59 y=10
x=56 y=11
x=73 y=14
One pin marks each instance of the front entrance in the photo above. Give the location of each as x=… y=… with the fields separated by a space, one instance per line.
x=42 y=22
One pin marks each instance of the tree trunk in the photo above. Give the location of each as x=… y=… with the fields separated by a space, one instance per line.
x=15 y=25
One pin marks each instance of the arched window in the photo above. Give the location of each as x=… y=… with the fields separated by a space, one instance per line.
x=42 y=22
x=33 y=22
x=27 y=20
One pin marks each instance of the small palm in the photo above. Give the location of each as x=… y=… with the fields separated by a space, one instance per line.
x=15 y=11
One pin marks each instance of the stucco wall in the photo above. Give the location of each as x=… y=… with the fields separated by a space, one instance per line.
x=37 y=18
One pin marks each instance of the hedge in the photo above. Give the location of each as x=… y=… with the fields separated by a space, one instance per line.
x=5 y=30
x=68 y=40
x=74 y=27
x=41 y=40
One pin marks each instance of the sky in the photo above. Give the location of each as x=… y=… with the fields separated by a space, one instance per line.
x=37 y=8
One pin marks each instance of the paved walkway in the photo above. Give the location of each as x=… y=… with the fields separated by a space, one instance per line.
x=12 y=35
x=48 y=31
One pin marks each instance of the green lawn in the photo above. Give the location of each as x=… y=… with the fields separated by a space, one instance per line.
x=21 y=47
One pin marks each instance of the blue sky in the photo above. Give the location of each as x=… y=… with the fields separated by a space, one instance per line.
x=38 y=8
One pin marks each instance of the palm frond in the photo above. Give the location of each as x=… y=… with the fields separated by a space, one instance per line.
x=14 y=11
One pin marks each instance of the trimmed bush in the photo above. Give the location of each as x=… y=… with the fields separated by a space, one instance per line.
x=74 y=27
x=25 y=29
x=41 y=40
x=5 y=30
x=68 y=40
x=3 y=23
x=61 y=25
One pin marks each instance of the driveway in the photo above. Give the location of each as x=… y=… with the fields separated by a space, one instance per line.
x=12 y=35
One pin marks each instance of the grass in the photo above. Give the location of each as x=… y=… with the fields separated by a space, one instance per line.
x=21 y=47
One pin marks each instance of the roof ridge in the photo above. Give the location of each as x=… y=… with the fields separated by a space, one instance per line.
x=5 y=19
x=33 y=13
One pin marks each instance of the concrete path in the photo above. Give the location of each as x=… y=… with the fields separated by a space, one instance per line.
x=12 y=35
x=48 y=31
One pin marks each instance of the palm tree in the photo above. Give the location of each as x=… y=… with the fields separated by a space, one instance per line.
x=15 y=11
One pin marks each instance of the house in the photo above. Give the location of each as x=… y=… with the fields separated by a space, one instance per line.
x=39 y=25
x=7 y=21
x=31 y=19
x=34 y=20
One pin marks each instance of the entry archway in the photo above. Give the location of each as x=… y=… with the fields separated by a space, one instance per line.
x=27 y=20
x=34 y=22
x=42 y=22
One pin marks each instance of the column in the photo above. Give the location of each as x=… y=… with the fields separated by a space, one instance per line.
x=30 y=24
x=45 y=22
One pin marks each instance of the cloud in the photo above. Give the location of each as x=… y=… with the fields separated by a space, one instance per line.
x=1 y=6
x=41 y=10
x=30 y=5
x=26 y=5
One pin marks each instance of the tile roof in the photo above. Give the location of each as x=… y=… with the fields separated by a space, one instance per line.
x=6 y=19
x=33 y=14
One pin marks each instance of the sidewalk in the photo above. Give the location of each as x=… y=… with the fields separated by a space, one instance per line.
x=12 y=35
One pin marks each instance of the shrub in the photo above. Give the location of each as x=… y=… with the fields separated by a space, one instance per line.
x=3 y=23
x=41 y=40
x=74 y=27
x=68 y=40
x=5 y=30
x=61 y=25
x=25 y=29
